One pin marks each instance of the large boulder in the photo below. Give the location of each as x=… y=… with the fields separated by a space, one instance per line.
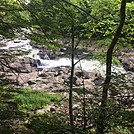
x=128 y=64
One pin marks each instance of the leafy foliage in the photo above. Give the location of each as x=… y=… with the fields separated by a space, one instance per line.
x=108 y=18
x=101 y=56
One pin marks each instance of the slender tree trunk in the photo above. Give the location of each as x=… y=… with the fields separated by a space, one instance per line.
x=101 y=121
x=71 y=77
x=84 y=106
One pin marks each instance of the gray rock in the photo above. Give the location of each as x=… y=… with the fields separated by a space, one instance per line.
x=128 y=64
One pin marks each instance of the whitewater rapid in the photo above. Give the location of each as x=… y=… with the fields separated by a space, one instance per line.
x=46 y=63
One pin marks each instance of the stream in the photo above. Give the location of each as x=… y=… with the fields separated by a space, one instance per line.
x=44 y=63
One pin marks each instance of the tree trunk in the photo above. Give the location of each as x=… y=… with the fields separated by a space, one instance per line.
x=71 y=77
x=101 y=121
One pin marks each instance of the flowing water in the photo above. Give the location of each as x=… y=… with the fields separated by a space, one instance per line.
x=45 y=63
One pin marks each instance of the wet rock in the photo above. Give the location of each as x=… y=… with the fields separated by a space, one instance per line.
x=43 y=55
x=17 y=41
x=33 y=62
x=128 y=64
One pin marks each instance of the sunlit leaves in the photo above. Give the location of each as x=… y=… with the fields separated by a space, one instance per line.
x=108 y=16
x=54 y=18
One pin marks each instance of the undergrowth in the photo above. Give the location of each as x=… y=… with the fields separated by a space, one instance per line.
x=29 y=99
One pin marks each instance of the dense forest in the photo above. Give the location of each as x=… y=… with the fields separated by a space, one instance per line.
x=67 y=67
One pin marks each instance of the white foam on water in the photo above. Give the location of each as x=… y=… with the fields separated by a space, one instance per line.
x=18 y=44
x=88 y=65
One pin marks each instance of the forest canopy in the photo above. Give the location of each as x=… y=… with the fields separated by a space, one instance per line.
x=45 y=19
